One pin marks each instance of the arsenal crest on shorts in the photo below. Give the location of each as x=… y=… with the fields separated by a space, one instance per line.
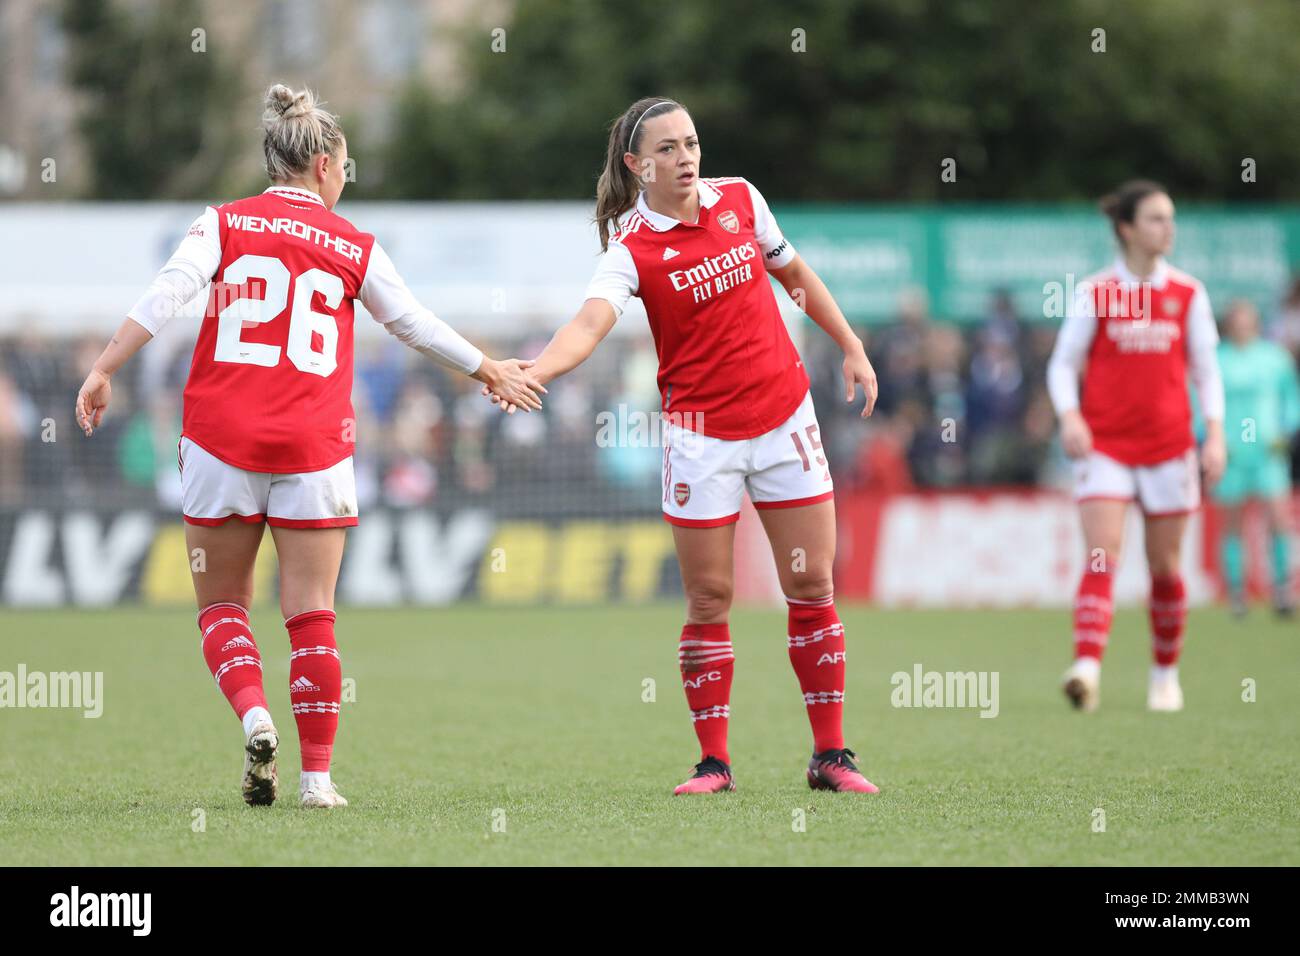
x=681 y=493
x=728 y=221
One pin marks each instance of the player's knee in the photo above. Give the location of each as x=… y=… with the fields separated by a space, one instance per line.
x=810 y=586
x=229 y=595
x=708 y=601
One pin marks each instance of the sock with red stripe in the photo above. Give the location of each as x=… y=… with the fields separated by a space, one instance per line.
x=705 y=657
x=1092 y=614
x=1168 y=615
x=232 y=657
x=315 y=686
x=815 y=638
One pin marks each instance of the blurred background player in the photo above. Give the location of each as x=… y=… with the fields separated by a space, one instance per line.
x=1262 y=412
x=738 y=413
x=268 y=429
x=1135 y=334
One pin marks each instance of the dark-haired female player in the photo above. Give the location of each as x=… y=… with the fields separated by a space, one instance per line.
x=1135 y=334
x=737 y=409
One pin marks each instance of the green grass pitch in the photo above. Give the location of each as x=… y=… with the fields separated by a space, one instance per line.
x=520 y=736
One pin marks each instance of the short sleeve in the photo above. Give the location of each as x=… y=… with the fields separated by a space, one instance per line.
x=383 y=292
x=776 y=248
x=616 y=278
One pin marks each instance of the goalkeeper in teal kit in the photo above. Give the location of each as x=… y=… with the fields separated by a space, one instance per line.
x=1262 y=396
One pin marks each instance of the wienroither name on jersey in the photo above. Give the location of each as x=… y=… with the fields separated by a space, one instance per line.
x=270 y=385
x=298 y=228
x=726 y=362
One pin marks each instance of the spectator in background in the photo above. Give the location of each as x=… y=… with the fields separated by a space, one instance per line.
x=1262 y=414
x=901 y=351
x=1002 y=320
x=937 y=411
x=17 y=419
x=411 y=478
x=995 y=403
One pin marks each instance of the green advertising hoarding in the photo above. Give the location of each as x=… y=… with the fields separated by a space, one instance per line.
x=959 y=256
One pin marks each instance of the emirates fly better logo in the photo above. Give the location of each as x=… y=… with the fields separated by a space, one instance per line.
x=716 y=274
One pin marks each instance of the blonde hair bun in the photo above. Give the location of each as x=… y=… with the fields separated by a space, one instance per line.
x=296 y=128
x=284 y=102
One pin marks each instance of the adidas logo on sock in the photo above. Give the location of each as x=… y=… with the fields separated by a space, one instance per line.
x=670 y=252
x=302 y=685
x=240 y=641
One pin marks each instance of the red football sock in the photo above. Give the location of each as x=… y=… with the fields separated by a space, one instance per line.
x=1168 y=615
x=231 y=654
x=1092 y=614
x=315 y=685
x=816 y=643
x=706 y=660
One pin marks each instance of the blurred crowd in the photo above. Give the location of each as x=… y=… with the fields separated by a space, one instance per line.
x=961 y=405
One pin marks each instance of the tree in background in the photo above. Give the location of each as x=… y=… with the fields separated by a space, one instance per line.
x=154 y=112
x=1015 y=93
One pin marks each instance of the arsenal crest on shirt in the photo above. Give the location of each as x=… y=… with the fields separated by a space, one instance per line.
x=728 y=221
x=681 y=493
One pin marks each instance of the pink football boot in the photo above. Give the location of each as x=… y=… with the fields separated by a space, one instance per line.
x=834 y=770
x=711 y=776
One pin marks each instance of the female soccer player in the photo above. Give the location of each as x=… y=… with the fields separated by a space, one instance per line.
x=737 y=410
x=268 y=425
x=1262 y=413
x=1134 y=333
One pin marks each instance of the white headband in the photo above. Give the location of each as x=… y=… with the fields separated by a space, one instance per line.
x=632 y=139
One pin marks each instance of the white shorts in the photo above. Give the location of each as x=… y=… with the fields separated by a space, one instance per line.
x=1166 y=488
x=213 y=492
x=704 y=478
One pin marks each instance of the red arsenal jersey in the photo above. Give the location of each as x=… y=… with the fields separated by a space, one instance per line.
x=270 y=384
x=725 y=358
x=1135 y=397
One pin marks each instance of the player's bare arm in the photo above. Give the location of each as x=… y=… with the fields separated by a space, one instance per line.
x=1214 y=451
x=97 y=391
x=808 y=291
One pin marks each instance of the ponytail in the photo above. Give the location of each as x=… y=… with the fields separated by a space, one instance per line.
x=618 y=187
x=1121 y=205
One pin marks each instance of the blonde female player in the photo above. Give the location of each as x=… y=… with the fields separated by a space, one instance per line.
x=737 y=409
x=268 y=424
x=1136 y=331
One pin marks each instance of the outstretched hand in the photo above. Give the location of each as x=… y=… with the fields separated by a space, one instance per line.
x=509 y=385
